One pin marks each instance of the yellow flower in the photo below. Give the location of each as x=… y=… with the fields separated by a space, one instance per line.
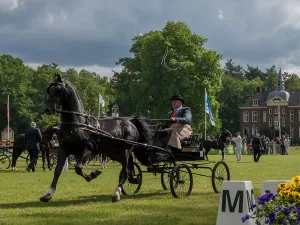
x=296 y=179
x=297 y=196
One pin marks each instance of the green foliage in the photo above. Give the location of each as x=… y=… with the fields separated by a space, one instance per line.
x=27 y=88
x=167 y=62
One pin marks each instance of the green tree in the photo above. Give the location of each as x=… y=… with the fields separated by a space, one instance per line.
x=166 y=62
x=232 y=70
x=271 y=77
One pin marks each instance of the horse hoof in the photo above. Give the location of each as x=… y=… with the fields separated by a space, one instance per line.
x=46 y=198
x=116 y=198
x=95 y=174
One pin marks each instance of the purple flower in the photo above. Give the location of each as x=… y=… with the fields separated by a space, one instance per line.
x=244 y=218
x=298 y=216
x=253 y=206
x=293 y=207
x=285 y=222
x=272 y=218
x=265 y=198
x=286 y=211
x=277 y=208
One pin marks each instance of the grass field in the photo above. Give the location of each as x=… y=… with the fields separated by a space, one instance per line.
x=79 y=202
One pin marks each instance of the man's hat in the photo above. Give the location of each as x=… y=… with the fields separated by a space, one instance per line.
x=177 y=97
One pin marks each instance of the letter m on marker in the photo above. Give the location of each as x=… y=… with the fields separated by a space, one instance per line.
x=238 y=198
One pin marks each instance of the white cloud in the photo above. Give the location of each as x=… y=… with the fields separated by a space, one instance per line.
x=50 y=19
x=220 y=14
x=9 y=4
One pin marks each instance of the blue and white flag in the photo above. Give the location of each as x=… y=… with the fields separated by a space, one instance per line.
x=101 y=101
x=208 y=109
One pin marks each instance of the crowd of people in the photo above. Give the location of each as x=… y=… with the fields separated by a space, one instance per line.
x=260 y=145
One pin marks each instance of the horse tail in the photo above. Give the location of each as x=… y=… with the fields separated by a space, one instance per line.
x=145 y=137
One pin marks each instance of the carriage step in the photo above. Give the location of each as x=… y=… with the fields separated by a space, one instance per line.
x=155 y=169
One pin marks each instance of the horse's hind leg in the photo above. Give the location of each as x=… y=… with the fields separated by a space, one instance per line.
x=62 y=156
x=80 y=162
x=131 y=179
x=223 y=154
x=48 y=159
x=117 y=194
x=17 y=151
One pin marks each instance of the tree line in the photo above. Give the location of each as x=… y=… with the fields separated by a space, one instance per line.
x=162 y=63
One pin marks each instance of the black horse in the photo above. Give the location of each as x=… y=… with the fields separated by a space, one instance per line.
x=83 y=136
x=19 y=146
x=218 y=143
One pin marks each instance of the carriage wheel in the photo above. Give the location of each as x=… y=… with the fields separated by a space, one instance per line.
x=181 y=181
x=131 y=189
x=53 y=159
x=4 y=161
x=166 y=174
x=220 y=173
x=28 y=159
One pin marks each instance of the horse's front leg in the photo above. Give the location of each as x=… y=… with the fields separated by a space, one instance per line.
x=82 y=159
x=62 y=156
x=103 y=161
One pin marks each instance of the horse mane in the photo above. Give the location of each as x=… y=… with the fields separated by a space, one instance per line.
x=74 y=89
x=143 y=128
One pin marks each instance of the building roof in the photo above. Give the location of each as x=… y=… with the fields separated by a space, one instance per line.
x=262 y=97
x=6 y=129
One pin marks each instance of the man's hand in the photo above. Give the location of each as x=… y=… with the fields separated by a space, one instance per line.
x=173 y=119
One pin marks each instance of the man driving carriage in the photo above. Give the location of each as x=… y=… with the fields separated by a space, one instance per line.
x=179 y=122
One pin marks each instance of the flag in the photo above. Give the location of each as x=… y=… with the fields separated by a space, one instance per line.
x=101 y=100
x=7 y=110
x=208 y=109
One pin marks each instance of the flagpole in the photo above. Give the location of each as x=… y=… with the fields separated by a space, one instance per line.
x=99 y=106
x=8 y=117
x=205 y=115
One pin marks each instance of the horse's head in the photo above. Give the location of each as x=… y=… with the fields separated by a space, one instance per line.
x=225 y=134
x=56 y=94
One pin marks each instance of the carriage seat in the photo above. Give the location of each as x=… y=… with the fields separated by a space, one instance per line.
x=192 y=141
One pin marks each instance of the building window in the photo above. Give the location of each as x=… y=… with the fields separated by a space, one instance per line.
x=283 y=122
x=246 y=116
x=264 y=116
x=255 y=102
x=292 y=116
x=276 y=123
x=276 y=111
x=270 y=122
x=270 y=111
x=292 y=132
x=254 y=117
x=246 y=131
x=283 y=111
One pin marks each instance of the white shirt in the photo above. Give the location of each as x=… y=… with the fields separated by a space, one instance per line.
x=238 y=141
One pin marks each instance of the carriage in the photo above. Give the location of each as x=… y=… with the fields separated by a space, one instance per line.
x=175 y=170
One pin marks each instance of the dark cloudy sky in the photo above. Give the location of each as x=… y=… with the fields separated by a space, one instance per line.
x=93 y=34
